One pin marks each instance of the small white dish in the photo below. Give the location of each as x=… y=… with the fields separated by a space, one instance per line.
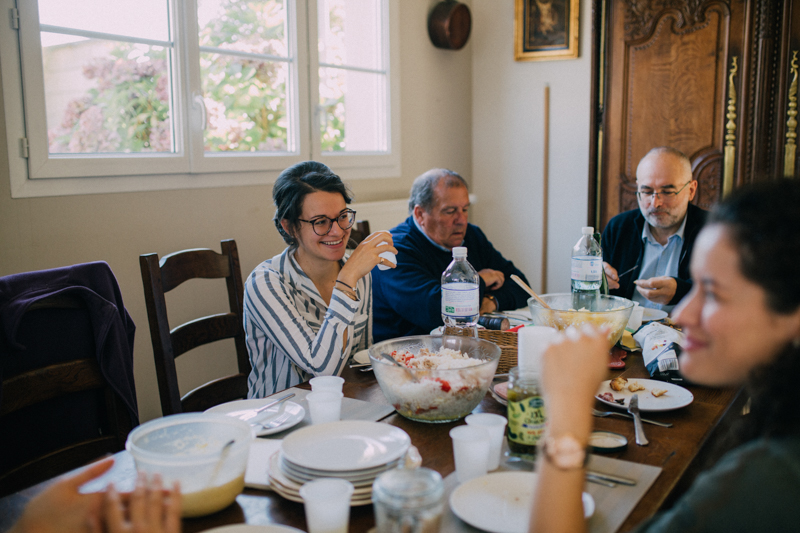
x=345 y=445
x=501 y=502
x=650 y=314
x=362 y=357
x=296 y=413
x=675 y=397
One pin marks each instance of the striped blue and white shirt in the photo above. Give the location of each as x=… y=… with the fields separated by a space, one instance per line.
x=292 y=334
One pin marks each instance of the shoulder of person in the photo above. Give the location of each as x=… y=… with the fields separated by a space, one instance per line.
x=698 y=213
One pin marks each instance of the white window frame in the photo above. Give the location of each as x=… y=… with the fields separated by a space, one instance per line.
x=189 y=168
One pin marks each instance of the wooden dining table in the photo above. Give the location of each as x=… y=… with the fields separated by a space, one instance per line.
x=681 y=451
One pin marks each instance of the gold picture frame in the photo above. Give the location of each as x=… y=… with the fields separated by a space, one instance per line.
x=546 y=29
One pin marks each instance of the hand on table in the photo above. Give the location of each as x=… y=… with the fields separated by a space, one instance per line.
x=149 y=509
x=611 y=276
x=658 y=290
x=488 y=305
x=493 y=279
x=61 y=508
x=366 y=256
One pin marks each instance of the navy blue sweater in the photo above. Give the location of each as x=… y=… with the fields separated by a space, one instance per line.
x=407 y=299
x=623 y=249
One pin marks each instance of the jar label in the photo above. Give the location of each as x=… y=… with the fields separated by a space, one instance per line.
x=526 y=420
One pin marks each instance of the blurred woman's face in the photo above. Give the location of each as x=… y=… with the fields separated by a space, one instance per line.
x=729 y=328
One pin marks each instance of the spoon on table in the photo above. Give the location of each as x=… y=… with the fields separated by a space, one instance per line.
x=392 y=360
x=530 y=291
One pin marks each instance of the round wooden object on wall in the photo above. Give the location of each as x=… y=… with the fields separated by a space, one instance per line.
x=449 y=25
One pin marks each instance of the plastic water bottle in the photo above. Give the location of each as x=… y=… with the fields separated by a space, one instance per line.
x=461 y=294
x=587 y=263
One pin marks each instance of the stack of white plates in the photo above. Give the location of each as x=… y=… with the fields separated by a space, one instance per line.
x=355 y=450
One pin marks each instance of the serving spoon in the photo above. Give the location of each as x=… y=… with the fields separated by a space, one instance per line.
x=530 y=291
x=392 y=360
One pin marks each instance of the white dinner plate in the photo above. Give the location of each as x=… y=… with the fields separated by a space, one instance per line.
x=247 y=528
x=500 y=502
x=290 y=484
x=355 y=478
x=653 y=314
x=296 y=412
x=362 y=357
x=345 y=445
x=675 y=397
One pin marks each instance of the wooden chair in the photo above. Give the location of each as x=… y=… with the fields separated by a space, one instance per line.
x=358 y=233
x=160 y=277
x=58 y=416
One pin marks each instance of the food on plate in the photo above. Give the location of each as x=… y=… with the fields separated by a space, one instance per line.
x=434 y=396
x=635 y=386
x=658 y=393
x=618 y=383
x=606 y=397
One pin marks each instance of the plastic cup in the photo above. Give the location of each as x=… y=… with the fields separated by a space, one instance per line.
x=324 y=406
x=533 y=341
x=471 y=451
x=327 y=384
x=495 y=426
x=327 y=505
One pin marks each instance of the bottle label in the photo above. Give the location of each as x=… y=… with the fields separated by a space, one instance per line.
x=587 y=268
x=526 y=420
x=460 y=299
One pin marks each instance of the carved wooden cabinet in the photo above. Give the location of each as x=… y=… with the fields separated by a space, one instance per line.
x=716 y=79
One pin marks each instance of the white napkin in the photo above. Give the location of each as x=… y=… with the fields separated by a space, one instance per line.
x=256 y=476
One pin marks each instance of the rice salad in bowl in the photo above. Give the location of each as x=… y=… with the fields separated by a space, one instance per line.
x=443 y=379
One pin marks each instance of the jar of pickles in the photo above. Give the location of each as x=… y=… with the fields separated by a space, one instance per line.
x=408 y=501
x=526 y=414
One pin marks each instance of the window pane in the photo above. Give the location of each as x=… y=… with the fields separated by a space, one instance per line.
x=254 y=26
x=245 y=104
x=353 y=111
x=350 y=33
x=105 y=96
x=145 y=19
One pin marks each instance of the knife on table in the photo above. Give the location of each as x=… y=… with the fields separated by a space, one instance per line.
x=633 y=409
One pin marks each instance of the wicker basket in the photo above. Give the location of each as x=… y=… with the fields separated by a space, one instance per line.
x=507 y=341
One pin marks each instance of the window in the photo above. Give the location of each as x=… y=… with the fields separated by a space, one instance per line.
x=116 y=95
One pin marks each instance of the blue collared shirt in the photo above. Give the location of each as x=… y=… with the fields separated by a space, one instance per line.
x=659 y=260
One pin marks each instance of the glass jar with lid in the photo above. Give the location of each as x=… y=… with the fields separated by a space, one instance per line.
x=526 y=414
x=408 y=501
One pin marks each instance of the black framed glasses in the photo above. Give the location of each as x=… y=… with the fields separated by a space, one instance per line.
x=648 y=194
x=322 y=225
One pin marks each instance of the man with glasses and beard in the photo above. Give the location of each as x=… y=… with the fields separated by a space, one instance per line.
x=646 y=251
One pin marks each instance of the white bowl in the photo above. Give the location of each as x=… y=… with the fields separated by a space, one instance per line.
x=187 y=448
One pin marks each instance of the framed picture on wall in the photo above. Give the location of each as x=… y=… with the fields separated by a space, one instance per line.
x=546 y=29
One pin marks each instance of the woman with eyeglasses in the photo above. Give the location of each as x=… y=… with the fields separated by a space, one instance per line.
x=307 y=309
x=742 y=325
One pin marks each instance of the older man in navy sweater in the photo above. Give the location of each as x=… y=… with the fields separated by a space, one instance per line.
x=407 y=299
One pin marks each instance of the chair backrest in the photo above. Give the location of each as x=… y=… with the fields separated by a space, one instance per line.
x=358 y=233
x=160 y=277
x=58 y=412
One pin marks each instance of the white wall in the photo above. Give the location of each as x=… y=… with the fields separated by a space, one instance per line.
x=40 y=233
x=507 y=144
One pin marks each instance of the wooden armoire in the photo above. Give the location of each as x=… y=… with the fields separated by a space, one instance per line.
x=716 y=79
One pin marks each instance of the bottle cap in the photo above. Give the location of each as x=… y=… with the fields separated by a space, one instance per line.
x=587 y=230
x=460 y=251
